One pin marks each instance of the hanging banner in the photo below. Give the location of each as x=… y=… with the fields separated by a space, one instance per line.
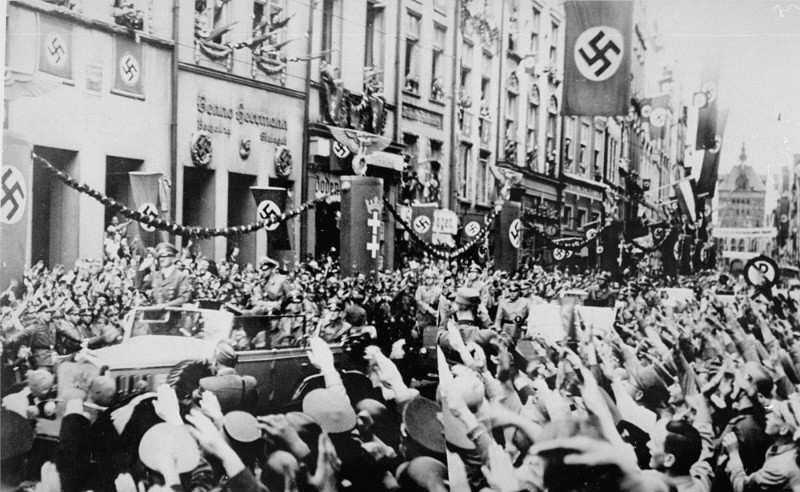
x=15 y=201
x=55 y=47
x=422 y=220
x=508 y=238
x=709 y=173
x=128 y=67
x=271 y=202
x=670 y=254
x=609 y=247
x=145 y=191
x=656 y=112
x=684 y=191
x=597 y=58
x=706 y=100
x=362 y=226
x=471 y=226
x=782 y=220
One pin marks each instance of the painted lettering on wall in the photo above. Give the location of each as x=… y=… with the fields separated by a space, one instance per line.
x=274 y=128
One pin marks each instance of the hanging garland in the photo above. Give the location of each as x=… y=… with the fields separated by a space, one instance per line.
x=171 y=227
x=571 y=244
x=444 y=252
x=656 y=246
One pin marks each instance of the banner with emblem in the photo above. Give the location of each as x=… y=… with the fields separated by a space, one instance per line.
x=16 y=172
x=685 y=193
x=508 y=239
x=597 y=58
x=146 y=195
x=128 y=67
x=670 y=254
x=608 y=247
x=709 y=172
x=706 y=102
x=471 y=226
x=55 y=47
x=422 y=220
x=656 y=112
x=782 y=220
x=362 y=229
x=271 y=201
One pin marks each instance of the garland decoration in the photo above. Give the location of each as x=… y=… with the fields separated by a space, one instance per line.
x=171 y=227
x=656 y=245
x=445 y=252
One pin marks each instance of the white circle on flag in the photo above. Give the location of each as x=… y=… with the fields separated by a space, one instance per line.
x=267 y=209
x=515 y=233
x=599 y=52
x=421 y=224
x=472 y=229
x=14 y=195
x=591 y=233
x=340 y=150
x=646 y=111
x=658 y=118
x=55 y=50
x=148 y=208
x=129 y=69
x=710 y=89
x=717 y=144
x=559 y=254
x=599 y=249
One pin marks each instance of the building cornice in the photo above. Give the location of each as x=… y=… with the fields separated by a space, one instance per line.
x=239 y=80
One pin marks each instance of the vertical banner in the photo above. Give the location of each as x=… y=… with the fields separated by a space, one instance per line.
x=15 y=200
x=146 y=195
x=597 y=58
x=55 y=47
x=656 y=112
x=782 y=221
x=709 y=173
x=670 y=254
x=362 y=225
x=128 y=67
x=608 y=247
x=685 y=193
x=271 y=201
x=706 y=99
x=508 y=240
x=422 y=220
x=471 y=226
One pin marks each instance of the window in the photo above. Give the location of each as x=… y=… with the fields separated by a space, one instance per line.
x=554 y=44
x=569 y=151
x=535 y=22
x=410 y=148
x=327 y=28
x=467 y=54
x=580 y=219
x=435 y=153
x=483 y=167
x=599 y=141
x=611 y=152
x=211 y=15
x=412 y=53
x=566 y=218
x=374 y=50
x=530 y=136
x=465 y=163
x=437 y=69
x=440 y=5
x=586 y=132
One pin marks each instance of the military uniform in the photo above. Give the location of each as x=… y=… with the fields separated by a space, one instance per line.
x=511 y=316
x=233 y=391
x=174 y=289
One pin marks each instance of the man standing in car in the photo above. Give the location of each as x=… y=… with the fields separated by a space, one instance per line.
x=171 y=287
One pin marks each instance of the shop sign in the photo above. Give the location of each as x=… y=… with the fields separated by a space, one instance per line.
x=94 y=77
x=382 y=159
x=274 y=129
x=424 y=116
x=327 y=184
x=445 y=222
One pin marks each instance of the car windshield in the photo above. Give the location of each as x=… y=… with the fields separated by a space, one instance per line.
x=197 y=323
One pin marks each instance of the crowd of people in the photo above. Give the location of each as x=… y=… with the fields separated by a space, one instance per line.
x=450 y=387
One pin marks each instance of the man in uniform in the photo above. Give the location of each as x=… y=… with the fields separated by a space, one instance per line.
x=234 y=392
x=39 y=334
x=512 y=312
x=271 y=290
x=427 y=297
x=170 y=286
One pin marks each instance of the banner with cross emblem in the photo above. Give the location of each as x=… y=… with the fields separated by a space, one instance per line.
x=147 y=200
x=709 y=172
x=656 y=112
x=362 y=228
x=422 y=220
x=271 y=202
x=15 y=203
x=128 y=67
x=508 y=237
x=597 y=58
x=55 y=47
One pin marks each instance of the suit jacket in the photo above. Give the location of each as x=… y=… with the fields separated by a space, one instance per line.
x=176 y=286
x=233 y=391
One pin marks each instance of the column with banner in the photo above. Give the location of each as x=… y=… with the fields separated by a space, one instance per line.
x=509 y=237
x=597 y=58
x=361 y=226
x=15 y=202
x=271 y=202
x=147 y=199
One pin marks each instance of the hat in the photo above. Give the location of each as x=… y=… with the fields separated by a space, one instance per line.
x=468 y=296
x=423 y=424
x=226 y=355
x=474 y=267
x=241 y=426
x=330 y=409
x=514 y=286
x=166 y=249
x=173 y=441
x=267 y=261
x=40 y=382
x=429 y=273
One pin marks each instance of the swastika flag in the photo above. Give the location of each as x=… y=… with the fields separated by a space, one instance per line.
x=128 y=67
x=597 y=58
x=55 y=47
x=145 y=192
x=271 y=201
x=709 y=173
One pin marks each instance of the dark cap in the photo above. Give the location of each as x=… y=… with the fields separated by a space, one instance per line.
x=424 y=425
x=166 y=249
x=468 y=296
